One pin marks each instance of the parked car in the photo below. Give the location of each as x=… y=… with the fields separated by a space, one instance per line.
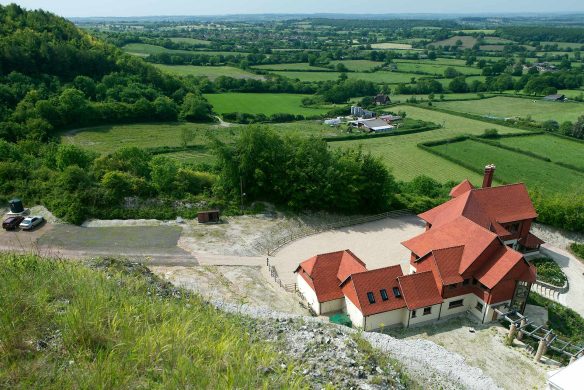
x=12 y=223
x=30 y=223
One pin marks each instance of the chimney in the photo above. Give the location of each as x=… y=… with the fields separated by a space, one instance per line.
x=489 y=173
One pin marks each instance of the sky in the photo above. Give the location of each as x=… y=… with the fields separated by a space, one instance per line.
x=80 y=8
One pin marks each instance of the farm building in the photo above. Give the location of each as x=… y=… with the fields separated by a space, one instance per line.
x=391 y=118
x=381 y=99
x=333 y=122
x=372 y=125
x=362 y=113
x=555 y=98
x=469 y=259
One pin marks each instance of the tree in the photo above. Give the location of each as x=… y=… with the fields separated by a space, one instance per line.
x=68 y=155
x=451 y=73
x=578 y=128
x=458 y=85
x=340 y=67
x=195 y=109
x=163 y=174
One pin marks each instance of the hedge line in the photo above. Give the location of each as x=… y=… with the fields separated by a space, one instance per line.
x=511 y=148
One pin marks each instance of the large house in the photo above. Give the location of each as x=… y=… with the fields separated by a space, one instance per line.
x=469 y=258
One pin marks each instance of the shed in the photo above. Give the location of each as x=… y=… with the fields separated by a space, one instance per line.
x=210 y=216
x=381 y=99
x=555 y=98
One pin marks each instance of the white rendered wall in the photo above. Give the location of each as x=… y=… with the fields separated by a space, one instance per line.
x=308 y=293
x=421 y=318
x=385 y=319
x=332 y=306
x=354 y=313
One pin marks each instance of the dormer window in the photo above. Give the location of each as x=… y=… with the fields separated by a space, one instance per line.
x=513 y=228
x=383 y=293
x=371 y=297
x=396 y=292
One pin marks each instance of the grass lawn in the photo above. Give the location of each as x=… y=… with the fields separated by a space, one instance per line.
x=557 y=149
x=434 y=69
x=514 y=167
x=507 y=107
x=262 y=103
x=391 y=45
x=212 y=72
x=407 y=161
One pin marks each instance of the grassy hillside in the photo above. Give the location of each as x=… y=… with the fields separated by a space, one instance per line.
x=211 y=72
x=63 y=325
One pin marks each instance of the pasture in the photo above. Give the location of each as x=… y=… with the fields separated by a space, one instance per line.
x=211 y=72
x=191 y=41
x=557 y=149
x=144 y=49
x=437 y=97
x=407 y=160
x=376 y=77
x=301 y=66
x=434 y=69
x=565 y=45
x=358 y=65
x=391 y=46
x=263 y=103
x=467 y=41
x=506 y=107
x=514 y=167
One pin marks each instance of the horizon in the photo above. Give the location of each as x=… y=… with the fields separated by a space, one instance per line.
x=222 y=8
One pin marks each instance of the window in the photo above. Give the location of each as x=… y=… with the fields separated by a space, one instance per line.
x=466 y=282
x=414 y=314
x=371 y=297
x=455 y=304
x=383 y=293
x=427 y=311
x=396 y=292
x=474 y=281
x=479 y=307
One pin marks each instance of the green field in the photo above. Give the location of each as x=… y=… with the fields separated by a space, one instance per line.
x=391 y=45
x=496 y=41
x=434 y=69
x=290 y=67
x=211 y=72
x=376 y=77
x=507 y=107
x=358 y=65
x=191 y=41
x=447 y=97
x=557 y=149
x=467 y=42
x=407 y=161
x=107 y=139
x=565 y=45
x=144 y=49
x=437 y=61
x=514 y=167
x=263 y=103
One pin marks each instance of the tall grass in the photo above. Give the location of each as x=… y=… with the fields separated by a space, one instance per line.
x=64 y=325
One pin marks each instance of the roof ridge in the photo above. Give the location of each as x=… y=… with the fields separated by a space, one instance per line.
x=501 y=186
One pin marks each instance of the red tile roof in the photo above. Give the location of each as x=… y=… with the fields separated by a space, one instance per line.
x=448 y=264
x=461 y=188
x=485 y=206
x=419 y=290
x=505 y=264
x=323 y=273
x=459 y=232
x=531 y=241
x=358 y=285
